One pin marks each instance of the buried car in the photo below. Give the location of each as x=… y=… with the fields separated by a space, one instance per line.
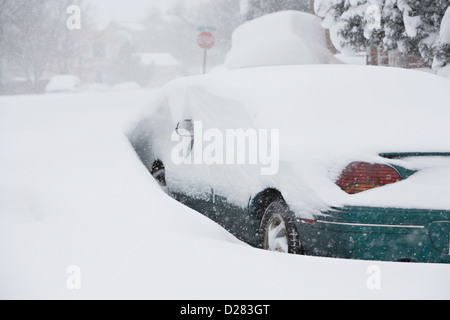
x=335 y=161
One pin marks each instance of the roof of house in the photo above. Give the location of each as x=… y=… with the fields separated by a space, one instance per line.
x=158 y=59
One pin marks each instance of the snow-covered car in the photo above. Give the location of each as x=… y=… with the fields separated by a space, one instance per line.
x=63 y=83
x=323 y=160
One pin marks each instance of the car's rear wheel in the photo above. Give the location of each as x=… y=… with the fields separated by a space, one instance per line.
x=278 y=231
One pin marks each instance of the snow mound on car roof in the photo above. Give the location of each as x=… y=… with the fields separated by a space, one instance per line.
x=284 y=38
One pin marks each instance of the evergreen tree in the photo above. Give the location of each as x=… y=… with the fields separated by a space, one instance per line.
x=421 y=20
x=409 y=26
x=350 y=21
x=355 y=30
x=442 y=46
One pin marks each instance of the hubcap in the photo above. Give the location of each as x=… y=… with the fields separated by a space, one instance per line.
x=276 y=237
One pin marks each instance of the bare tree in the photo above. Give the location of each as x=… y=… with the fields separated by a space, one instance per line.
x=34 y=36
x=8 y=9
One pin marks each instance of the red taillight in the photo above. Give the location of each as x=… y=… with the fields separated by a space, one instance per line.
x=308 y=221
x=362 y=176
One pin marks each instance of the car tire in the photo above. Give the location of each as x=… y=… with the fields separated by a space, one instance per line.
x=277 y=230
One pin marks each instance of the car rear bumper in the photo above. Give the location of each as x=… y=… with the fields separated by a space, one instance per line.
x=381 y=234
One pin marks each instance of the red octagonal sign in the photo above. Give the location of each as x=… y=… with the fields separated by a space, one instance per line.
x=206 y=40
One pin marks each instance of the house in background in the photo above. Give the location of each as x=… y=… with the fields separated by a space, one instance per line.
x=163 y=67
x=394 y=58
x=119 y=54
x=102 y=51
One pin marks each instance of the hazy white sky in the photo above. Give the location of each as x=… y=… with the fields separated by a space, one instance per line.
x=126 y=10
x=133 y=10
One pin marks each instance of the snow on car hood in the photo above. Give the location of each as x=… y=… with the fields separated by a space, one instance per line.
x=329 y=116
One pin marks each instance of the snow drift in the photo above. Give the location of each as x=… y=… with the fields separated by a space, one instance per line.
x=73 y=193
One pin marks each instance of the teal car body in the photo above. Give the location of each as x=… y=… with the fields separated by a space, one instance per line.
x=361 y=233
x=381 y=234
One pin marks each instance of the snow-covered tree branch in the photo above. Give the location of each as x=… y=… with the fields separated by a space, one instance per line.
x=410 y=26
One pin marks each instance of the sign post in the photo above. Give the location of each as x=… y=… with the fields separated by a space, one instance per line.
x=206 y=41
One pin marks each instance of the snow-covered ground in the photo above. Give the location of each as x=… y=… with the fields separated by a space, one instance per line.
x=74 y=194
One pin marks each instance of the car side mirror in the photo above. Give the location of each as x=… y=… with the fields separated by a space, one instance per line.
x=185 y=129
x=185 y=126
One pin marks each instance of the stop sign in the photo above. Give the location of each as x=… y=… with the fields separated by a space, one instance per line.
x=206 y=40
